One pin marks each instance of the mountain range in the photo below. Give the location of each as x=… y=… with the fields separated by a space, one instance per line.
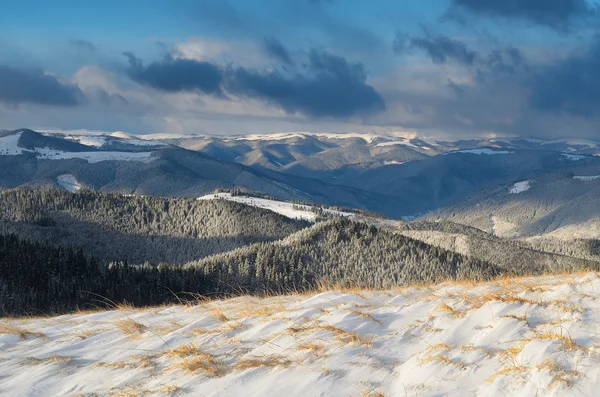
x=509 y=187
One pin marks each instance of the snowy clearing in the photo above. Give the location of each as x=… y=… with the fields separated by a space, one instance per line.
x=9 y=145
x=68 y=182
x=281 y=207
x=587 y=178
x=481 y=151
x=522 y=337
x=520 y=187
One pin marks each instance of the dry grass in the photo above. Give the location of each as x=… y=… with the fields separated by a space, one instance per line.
x=516 y=317
x=316 y=348
x=373 y=393
x=204 y=363
x=130 y=392
x=444 y=360
x=23 y=333
x=345 y=336
x=267 y=361
x=365 y=315
x=561 y=334
x=170 y=390
x=189 y=349
x=507 y=370
x=218 y=314
x=49 y=360
x=130 y=327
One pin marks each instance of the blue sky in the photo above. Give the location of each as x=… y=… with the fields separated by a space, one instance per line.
x=435 y=67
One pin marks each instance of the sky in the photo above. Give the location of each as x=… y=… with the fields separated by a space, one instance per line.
x=456 y=68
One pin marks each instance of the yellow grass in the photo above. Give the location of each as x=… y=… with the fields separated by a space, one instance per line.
x=204 y=363
x=130 y=327
x=23 y=333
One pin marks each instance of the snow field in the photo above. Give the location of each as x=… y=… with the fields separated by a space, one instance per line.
x=523 y=337
x=520 y=187
x=281 y=207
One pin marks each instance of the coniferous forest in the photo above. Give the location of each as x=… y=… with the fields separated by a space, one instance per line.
x=61 y=252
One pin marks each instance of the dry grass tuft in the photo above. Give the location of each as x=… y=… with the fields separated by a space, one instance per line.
x=189 y=349
x=204 y=363
x=267 y=361
x=347 y=337
x=49 y=360
x=170 y=390
x=560 y=334
x=316 y=348
x=22 y=332
x=505 y=371
x=516 y=317
x=130 y=327
x=219 y=315
x=365 y=315
x=444 y=360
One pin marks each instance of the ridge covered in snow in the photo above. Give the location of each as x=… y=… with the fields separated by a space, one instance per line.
x=518 y=337
x=9 y=146
x=290 y=210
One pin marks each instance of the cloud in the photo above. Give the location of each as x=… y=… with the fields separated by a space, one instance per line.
x=328 y=86
x=276 y=50
x=557 y=14
x=439 y=48
x=331 y=87
x=179 y=74
x=83 y=45
x=571 y=85
x=23 y=85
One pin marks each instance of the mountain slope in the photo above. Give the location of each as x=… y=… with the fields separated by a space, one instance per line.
x=516 y=337
x=138 y=229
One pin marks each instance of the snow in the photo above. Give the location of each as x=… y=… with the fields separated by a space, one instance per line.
x=573 y=157
x=281 y=207
x=9 y=147
x=94 y=157
x=95 y=141
x=519 y=337
x=575 y=142
x=393 y=162
x=481 y=151
x=520 y=187
x=587 y=178
x=68 y=182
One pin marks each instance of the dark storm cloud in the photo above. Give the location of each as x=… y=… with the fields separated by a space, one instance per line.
x=331 y=87
x=173 y=75
x=571 y=85
x=328 y=86
x=558 y=14
x=83 y=45
x=276 y=50
x=439 y=48
x=24 y=85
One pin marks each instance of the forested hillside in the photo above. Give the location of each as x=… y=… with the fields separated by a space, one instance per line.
x=338 y=252
x=38 y=278
x=138 y=229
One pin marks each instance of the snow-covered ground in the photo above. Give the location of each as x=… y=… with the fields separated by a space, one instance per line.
x=9 y=147
x=586 y=178
x=94 y=157
x=281 y=207
x=520 y=187
x=481 y=151
x=523 y=337
x=68 y=182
